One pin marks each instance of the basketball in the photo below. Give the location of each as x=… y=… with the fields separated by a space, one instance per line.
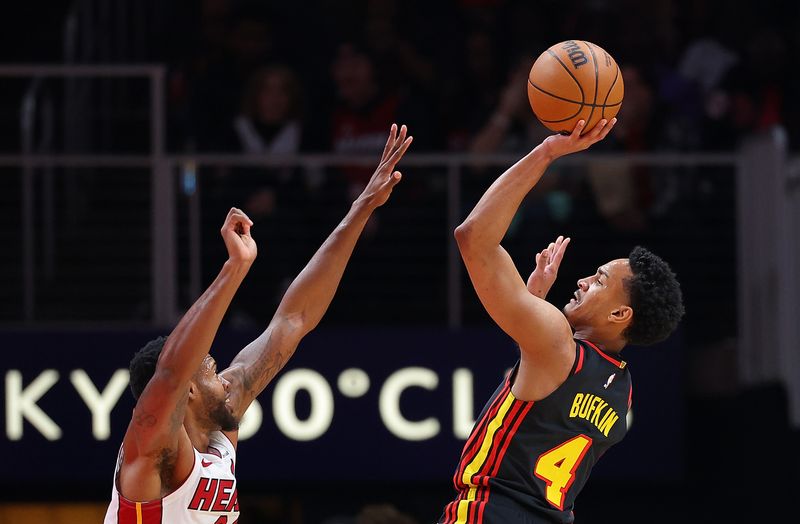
x=575 y=80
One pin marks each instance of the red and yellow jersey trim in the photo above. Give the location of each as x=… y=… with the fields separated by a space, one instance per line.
x=619 y=363
x=483 y=455
x=579 y=363
x=139 y=512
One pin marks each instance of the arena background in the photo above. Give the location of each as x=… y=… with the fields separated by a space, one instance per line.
x=129 y=127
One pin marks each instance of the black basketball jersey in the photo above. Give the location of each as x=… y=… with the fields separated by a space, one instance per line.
x=525 y=462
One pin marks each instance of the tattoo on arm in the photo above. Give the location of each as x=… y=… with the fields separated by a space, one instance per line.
x=146 y=419
x=262 y=369
x=257 y=376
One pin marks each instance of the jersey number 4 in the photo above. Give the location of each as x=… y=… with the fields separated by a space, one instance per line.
x=557 y=466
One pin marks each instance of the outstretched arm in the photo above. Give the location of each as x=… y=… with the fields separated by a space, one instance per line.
x=538 y=327
x=155 y=434
x=309 y=296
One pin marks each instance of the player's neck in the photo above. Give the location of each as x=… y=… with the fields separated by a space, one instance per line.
x=198 y=433
x=608 y=342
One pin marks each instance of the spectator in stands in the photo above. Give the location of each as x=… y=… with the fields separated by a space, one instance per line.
x=270 y=118
x=471 y=87
x=388 y=44
x=218 y=82
x=756 y=85
x=275 y=198
x=511 y=126
x=621 y=194
x=362 y=109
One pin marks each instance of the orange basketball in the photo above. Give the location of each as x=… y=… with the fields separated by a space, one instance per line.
x=574 y=80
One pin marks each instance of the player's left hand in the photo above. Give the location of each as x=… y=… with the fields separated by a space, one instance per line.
x=560 y=145
x=236 y=234
x=546 y=271
x=385 y=177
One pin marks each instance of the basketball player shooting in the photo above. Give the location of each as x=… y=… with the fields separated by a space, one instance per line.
x=565 y=401
x=177 y=460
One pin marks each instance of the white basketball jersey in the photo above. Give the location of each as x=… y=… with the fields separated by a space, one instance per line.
x=208 y=496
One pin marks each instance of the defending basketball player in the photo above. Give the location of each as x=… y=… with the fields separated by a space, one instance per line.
x=177 y=461
x=565 y=401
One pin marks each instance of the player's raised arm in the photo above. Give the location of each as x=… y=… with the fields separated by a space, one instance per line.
x=539 y=328
x=309 y=296
x=153 y=438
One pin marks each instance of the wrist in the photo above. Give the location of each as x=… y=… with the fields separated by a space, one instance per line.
x=238 y=266
x=538 y=288
x=363 y=204
x=545 y=152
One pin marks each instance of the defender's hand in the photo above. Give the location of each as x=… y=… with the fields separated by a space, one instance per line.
x=236 y=233
x=385 y=177
x=559 y=145
x=546 y=271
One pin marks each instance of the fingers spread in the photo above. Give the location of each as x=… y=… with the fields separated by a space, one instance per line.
x=400 y=151
x=402 y=135
x=560 y=251
x=390 y=142
x=399 y=140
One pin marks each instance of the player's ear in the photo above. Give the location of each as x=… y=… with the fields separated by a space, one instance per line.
x=621 y=315
x=192 y=390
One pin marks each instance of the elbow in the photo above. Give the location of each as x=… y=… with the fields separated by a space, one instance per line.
x=296 y=326
x=464 y=235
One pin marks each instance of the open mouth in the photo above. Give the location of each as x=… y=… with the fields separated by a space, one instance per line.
x=577 y=297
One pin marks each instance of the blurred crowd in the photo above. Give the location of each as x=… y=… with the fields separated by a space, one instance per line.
x=270 y=78
x=281 y=78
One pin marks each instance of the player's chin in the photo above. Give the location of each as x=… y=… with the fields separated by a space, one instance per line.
x=569 y=307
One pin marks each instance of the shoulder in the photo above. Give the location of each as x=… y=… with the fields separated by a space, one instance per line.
x=542 y=373
x=543 y=333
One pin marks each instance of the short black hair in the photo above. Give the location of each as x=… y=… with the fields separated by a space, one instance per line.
x=655 y=297
x=143 y=365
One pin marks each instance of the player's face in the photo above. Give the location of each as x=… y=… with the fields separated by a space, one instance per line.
x=599 y=295
x=214 y=391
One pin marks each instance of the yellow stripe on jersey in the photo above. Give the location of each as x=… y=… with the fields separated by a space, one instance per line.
x=479 y=460
x=138 y=513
